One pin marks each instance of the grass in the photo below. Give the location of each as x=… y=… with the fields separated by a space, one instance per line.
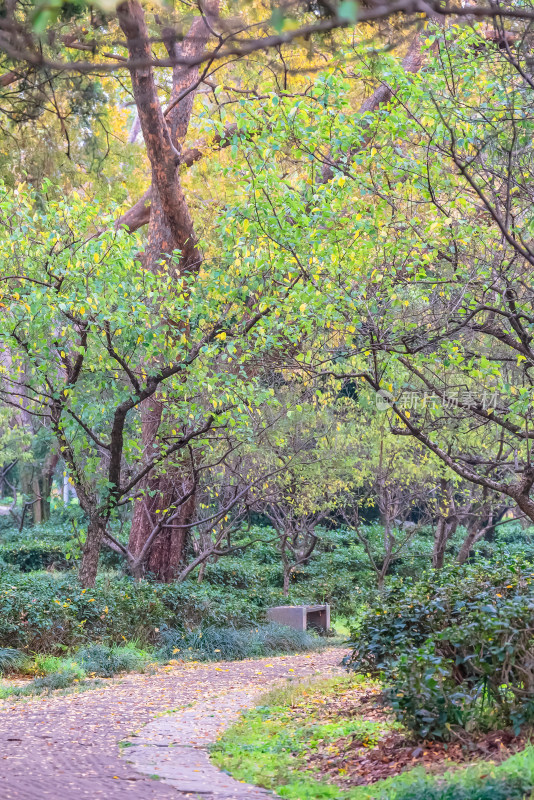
x=54 y=673
x=9 y=658
x=215 y=643
x=66 y=681
x=267 y=747
x=104 y=661
x=342 y=626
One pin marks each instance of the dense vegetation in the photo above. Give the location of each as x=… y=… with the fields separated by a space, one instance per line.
x=281 y=744
x=267 y=313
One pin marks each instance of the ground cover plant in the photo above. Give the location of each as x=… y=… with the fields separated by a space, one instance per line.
x=232 y=644
x=328 y=739
x=46 y=673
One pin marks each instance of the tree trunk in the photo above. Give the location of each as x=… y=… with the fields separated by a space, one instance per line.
x=447 y=524
x=478 y=529
x=91 y=553
x=287 y=579
x=474 y=533
x=444 y=530
x=170 y=229
x=167 y=554
x=384 y=569
x=42 y=487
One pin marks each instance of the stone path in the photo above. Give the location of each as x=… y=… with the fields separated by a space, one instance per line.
x=66 y=747
x=173 y=747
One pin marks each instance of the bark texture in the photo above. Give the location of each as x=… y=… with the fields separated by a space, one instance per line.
x=170 y=229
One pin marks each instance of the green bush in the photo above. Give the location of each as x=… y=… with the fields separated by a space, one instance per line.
x=46 y=612
x=232 y=644
x=9 y=659
x=106 y=661
x=455 y=648
x=512 y=780
x=56 y=680
x=29 y=556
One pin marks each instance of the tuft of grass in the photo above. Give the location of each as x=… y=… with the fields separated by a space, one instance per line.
x=45 y=665
x=63 y=679
x=106 y=661
x=10 y=659
x=215 y=643
x=56 y=680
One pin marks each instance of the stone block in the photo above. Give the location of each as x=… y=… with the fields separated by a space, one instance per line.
x=301 y=617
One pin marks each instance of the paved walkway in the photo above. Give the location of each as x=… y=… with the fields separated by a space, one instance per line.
x=66 y=748
x=175 y=748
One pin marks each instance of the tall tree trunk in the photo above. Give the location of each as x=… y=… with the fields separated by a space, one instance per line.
x=444 y=532
x=91 y=553
x=42 y=488
x=288 y=570
x=447 y=523
x=170 y=229
x=478 y=529
x=474 y=533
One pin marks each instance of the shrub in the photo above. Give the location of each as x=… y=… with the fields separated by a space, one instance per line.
x=56 y=680
x=97 y=659
x=231 y=644
x=455 y=648
x=9 y=658
x=34 y=555
x=43 y=665
x=512 y=780
x=48 y=612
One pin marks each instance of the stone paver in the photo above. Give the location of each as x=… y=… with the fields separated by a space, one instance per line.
x=66 y=748
x=174 y=748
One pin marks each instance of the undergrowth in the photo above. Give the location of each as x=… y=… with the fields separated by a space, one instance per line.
x=268 y=747
x=233 y=644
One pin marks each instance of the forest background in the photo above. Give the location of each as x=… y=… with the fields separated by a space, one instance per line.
x=265 y=275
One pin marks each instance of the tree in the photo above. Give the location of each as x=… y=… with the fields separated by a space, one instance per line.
x=417 y=251
x=75 y=365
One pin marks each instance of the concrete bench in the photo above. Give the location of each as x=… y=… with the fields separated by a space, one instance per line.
x=301 y=617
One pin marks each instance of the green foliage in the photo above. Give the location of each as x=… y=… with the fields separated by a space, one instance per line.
x=106 y=661
x=30 y=556
x=44 y=665
x=266 y=747
x=512 y=780
x=455 y=647
x=46 y=612
x=232 y=644
x=9 y=658
x=56 y=680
